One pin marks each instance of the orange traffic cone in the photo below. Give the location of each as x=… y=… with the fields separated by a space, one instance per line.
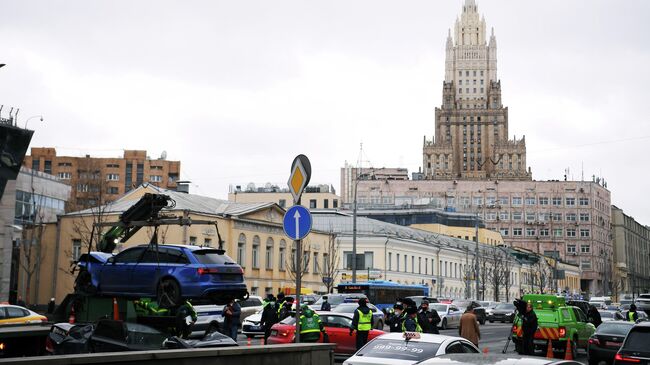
x=568 y=355
x=116 y=310
x=72 y=318
x=549 y=350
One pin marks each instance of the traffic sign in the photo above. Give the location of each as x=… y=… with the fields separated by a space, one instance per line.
x=300 y=175
x=297 y=222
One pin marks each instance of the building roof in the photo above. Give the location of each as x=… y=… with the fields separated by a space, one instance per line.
x=191 y=202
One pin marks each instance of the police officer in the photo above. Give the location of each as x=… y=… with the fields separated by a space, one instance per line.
x=428 y=319
x=410 y=323
x=394 y=320
x=279 y=303
x=529 y=326
x=269 y=316
x=325 y=306
x=631 y=314
x=362 y=322
x=311 y=326
x=185 y=318
x=285 y=310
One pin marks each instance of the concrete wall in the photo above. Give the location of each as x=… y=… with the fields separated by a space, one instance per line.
x=314 y=354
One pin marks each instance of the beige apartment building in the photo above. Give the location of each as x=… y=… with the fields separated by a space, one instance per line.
x=95 y=180
x=313 y=197
x=631 y=241
x=566 y=219
x=252 y=233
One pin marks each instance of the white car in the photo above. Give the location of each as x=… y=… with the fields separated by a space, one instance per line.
x=449 y=314
x=393 y=348
x=251 y=326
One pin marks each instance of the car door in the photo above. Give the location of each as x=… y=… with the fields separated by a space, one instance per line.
x=16 y=315
x=340 y=327
x=146 y=271
x=115 y=275
x=453 y=348
x=454 y=314
x=580 y=326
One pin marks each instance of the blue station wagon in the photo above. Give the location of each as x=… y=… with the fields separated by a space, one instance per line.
x=171 y=274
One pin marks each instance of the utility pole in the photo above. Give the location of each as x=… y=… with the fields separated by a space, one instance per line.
x=354 y=228
x=477 y=268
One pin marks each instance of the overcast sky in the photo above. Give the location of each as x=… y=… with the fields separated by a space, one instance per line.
x=235 y=89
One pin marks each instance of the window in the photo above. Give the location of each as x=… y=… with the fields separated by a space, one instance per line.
x=583 y=201
x=491 y=216
x=139 y=173
x=584 y=217
x=516 y=231
x=65 y=164
x=543 y=201
x=419 y=265
x=504 y=200
x=335 y=203
x=460 y=90
x=571 y=248
x=460 y=82
x=516 y=200
x=129 y=256
x=504 y=216
x=110 y=165
x=570 y=202
x=155 y=178
x=397 y=262
x=585 y=264
x=530 y=217
x=312 y=203
x=36 y=165
x=316 y=269
x=241 y=250
x=256 y=251
x=571 y=217
x=112 y=177
x=557 y=202
x=64 y=175
x=543 y=232
x=503 y=231
x=584 y=233
x=114 y=190
x=517 y=216
x=282 y=255
x=557 y=232
x=478 y=200
x=282 y=203
x=557 y=217
x=530 y=200
x=192 y=240
x=326 y=203
x=413 y=264
x=460 y=73
x=543 y=217
x=530 y=232
x=207 y=241
x=570 y=232
x=390 y=261
x=76 y=249
x=268 y=257
x=48 y=167
x=128 y=174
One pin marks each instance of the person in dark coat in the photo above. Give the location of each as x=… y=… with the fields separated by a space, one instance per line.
x=285 y=311
x=362 y=323
x=51 y=306
x=428 y=319
x=232 y=314
x=631 y=315
x=269 y=316
x=594 y=316
x=394 y=318
x=529 y=327
x=410 y=323
x=325 y=306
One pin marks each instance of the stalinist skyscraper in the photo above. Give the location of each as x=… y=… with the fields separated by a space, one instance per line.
x=471 y=127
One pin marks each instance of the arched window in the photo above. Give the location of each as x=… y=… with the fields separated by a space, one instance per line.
x=241 y=250
x=256 y=252
x=282 y=255
x=269 y=254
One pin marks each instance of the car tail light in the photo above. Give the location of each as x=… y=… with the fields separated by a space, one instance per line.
x=620 y=357
x=562 y=332
x=204 y=271
x=594 y=341
x=283 y=333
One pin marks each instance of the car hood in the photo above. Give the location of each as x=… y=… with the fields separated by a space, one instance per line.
x=257 y=317
x=502 y=311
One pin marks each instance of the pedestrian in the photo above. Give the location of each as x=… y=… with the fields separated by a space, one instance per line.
x=428 y=319
x=468 y=328
x=394 y=319
x=186 y=316
x=311 y=326
x=631 y=314
x=232 y=314
x=528 y=327
x=362 y=323
x=325 y=306
x=410 y=322
x=20 y=302
x=51 y=306
x=279 y=303
x=594 y=316
x=269 y=316
x=286 y=309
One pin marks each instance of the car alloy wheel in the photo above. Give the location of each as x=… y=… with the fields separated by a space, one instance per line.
x=444 y=324
x=84 y=283
x=169 y=293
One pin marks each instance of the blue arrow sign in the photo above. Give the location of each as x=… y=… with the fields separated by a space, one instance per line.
x=297 y=222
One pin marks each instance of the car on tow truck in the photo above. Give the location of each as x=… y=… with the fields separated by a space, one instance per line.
x=557 y=323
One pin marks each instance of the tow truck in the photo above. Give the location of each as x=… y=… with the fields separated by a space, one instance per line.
x=557 y=323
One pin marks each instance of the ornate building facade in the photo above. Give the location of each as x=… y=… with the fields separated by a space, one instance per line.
x=471 y=127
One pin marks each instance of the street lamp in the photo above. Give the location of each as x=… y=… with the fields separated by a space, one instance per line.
x=30 y=118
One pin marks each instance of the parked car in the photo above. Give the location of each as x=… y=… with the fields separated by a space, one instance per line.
x=478 y=310
x=393 y=348
x=336 y=299
x=495 y=359
x=635 y=349
x=449 y=314
x=643 y=303
x=251 y=326
x=66 y=338
x=582 y=304
x=377 y=315
x=210 y=317
x=605 y=343
x=610 y=315
x=489 y=307
x=504 y=312
x=13 y=314
x=337 y=326
x=172 y=274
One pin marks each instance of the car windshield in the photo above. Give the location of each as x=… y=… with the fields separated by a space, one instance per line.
x=505 y=306
x=289 y=320
x=212 y=257
x=611 y=328
x=638 y=339
x=332 y=300
x=346 y=308
x=484 y=304
x=438 y=307
x=143 y=336
x=604 y=314
x=399 y=349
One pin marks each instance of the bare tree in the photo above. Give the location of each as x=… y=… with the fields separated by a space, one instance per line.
x=292 y=262
x=497 y=272
x=541 y=274
x=31 y=248
x=507 y=278
x=330 y=272
x=485 y=266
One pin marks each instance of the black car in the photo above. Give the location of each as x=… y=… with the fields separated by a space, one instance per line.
x=479 y=311
x=607 y=340
x=504 y=312
x=65 y=338
x=582 y=304
x=636 y=348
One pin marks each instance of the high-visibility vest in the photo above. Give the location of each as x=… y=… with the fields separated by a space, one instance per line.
x=630 y=316
x=280 y=306
x=309 y=324
x=365 y=321
x=417 y=325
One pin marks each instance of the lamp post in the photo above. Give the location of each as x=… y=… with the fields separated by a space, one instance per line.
x=30 y=118
x=354 y=228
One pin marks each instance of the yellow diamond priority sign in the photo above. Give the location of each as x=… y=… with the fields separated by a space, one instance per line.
x=299 y=178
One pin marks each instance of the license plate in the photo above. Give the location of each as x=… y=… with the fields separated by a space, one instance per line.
x=255 y=328
x=613 y=344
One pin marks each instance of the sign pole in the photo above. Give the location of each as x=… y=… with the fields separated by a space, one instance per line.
x=298 y=244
